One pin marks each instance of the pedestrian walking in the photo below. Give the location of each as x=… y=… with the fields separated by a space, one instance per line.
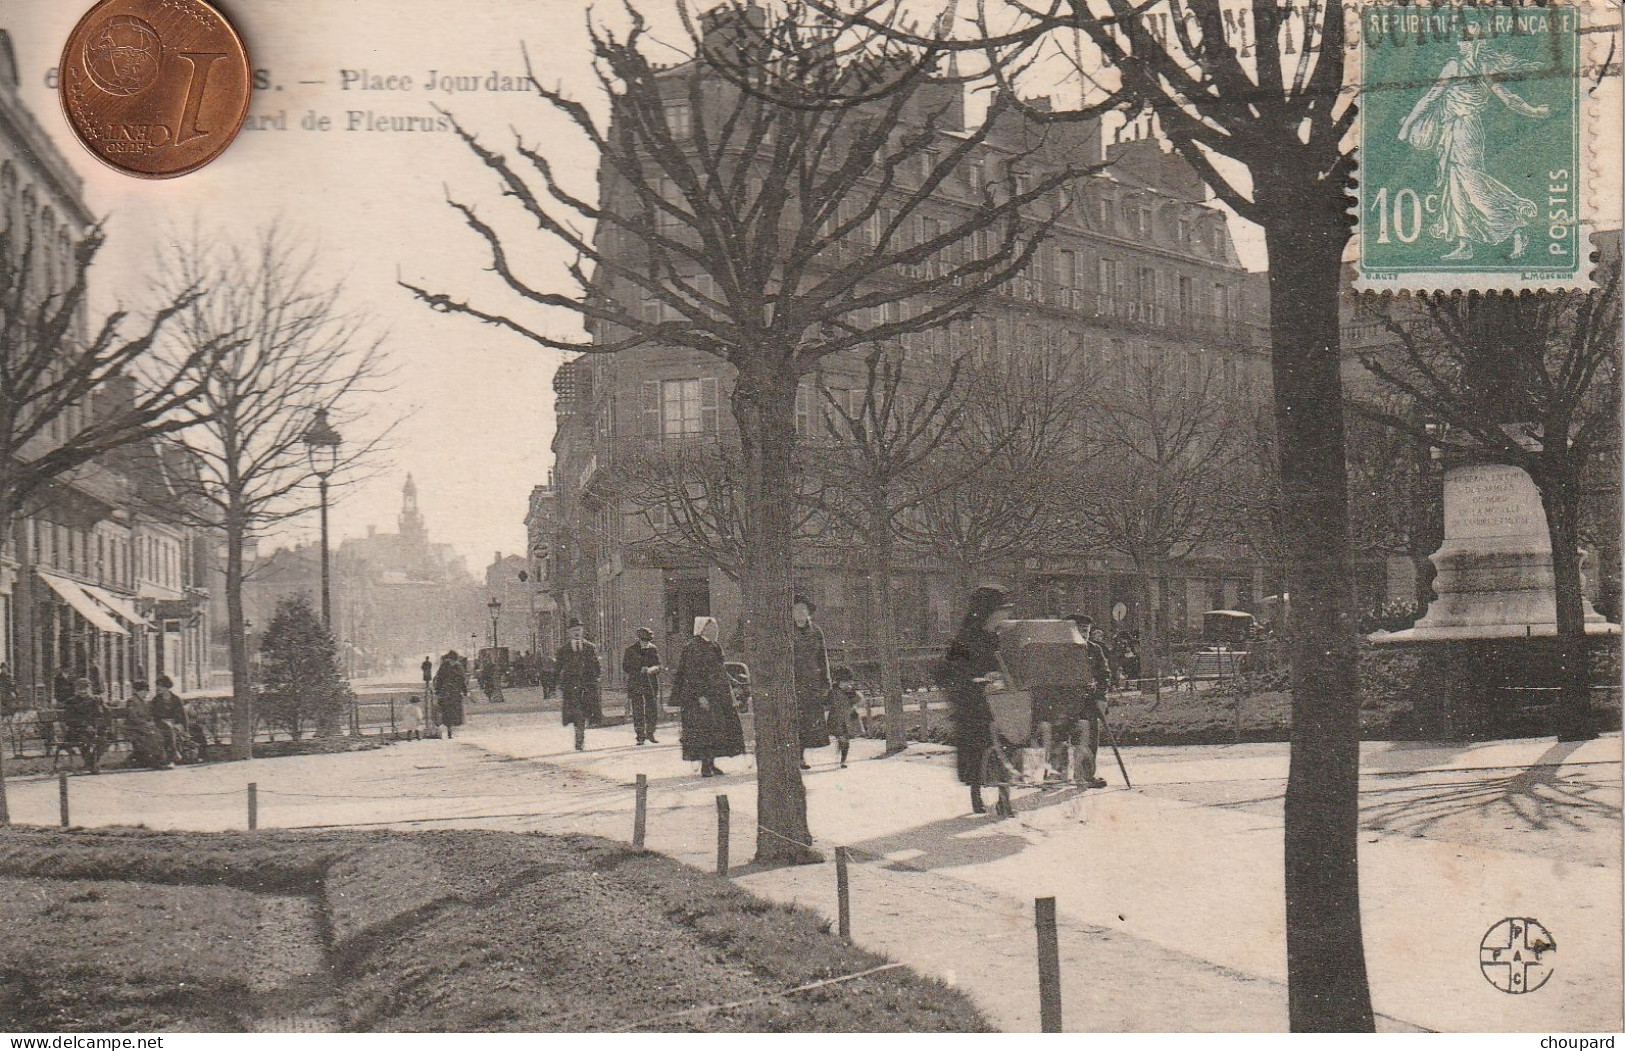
x=579 y=672
x=547 y=673
x=1092 y=709
x=811 y=677
x=843 y=710
x=412 y=719
x=970 y=669
x=450 y=688
x=641 y=664
x=710 y=725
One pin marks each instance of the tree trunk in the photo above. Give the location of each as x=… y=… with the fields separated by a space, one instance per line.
x=882 y=547
x=1328 y=990
x=764 y=409
x=242 y=692
x=1560 y=497
x=1150 y=638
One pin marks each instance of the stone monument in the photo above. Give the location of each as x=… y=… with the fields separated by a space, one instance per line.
x=1495 y=566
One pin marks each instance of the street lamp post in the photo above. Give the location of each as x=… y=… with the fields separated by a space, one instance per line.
x=322 y=447
x=495 y=606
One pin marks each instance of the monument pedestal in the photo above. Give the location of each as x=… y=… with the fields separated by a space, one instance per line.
x=1495 y=567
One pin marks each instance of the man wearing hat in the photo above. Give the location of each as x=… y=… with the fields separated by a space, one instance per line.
x=641 y=663
x=578 y=672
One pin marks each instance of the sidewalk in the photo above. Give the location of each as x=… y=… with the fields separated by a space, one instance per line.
x=1170 y=906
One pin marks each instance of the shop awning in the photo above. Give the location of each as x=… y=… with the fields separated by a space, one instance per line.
x=120 y=606
x=83 y=604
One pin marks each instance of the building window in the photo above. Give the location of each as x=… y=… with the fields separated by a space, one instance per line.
x=1111 y=277
x=1187 y=296
x=679 y=120
x=686 y=407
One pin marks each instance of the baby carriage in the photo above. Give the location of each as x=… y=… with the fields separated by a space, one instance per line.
x=1036 y=741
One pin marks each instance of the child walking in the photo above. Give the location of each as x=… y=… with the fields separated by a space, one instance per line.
x=842 y=706
x=412 y=720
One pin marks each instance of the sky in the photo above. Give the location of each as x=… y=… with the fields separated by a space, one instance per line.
x=474 y=402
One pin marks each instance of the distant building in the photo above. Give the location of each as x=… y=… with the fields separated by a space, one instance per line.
x=396 y=597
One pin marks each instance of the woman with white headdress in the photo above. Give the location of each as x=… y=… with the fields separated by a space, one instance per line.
x=710 y=724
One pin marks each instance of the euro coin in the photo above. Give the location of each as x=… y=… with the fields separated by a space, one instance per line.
x=155 y=88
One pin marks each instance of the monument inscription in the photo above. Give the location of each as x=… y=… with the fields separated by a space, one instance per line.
x=1487 y=501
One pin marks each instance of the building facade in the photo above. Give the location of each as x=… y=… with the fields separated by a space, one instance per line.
x=1140 y=269
x=98 y=579
x=396 y=597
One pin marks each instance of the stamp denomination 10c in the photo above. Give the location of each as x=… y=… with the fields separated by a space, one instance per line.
x=1472 y=167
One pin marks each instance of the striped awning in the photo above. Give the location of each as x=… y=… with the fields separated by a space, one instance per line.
x=120 y=606
x=74 y=595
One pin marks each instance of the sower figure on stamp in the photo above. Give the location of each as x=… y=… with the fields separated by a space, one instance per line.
x=1474 y=206
x=578 y=671
x=641 y=663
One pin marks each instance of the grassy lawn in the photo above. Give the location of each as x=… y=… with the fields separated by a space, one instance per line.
x=120 y=956
x=437 y=931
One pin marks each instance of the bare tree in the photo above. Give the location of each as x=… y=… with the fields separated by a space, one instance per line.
x=1395 y=498
x=883 y=436
x=298 y=352
x=996 y=499
x=687 y=497
x=1253 y=97
x=1169 y=447
x=1534 y=381
x=72 y=391
x=800 y=206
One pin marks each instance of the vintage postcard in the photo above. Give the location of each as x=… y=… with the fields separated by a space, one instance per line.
x=810 y=516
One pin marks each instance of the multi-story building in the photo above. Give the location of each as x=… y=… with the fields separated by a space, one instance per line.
x=1141 y=269
x=396 y=597
x=541 y=529
x=97 y=580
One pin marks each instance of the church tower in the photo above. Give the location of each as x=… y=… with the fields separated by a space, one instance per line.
x=411 y=521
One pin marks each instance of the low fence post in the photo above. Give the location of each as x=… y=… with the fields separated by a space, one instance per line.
x=62 y=796
x=5 y=806
x=1049 y=966
x=843 y=894
x=253 y=806
x=640 y=816
x=722 y=836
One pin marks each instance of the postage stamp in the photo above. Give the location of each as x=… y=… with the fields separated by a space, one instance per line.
x=1473 y=168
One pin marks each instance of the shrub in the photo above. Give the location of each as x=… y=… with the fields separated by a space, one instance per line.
x=300 y=684
x=1396 y=615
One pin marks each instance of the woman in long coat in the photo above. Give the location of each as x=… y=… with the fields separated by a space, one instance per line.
x=450 y=687
x=811 y=677
x=710 y=725
x=972 y=659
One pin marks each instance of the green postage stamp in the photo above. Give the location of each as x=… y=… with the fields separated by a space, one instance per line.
x=1474 y=170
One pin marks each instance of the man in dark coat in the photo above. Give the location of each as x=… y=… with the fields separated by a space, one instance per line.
x=169 y=713
x=83 y=717
x=578 y=671
x=711 y=727
x=641 y=663
x=450 y=687
x=811 y=677
x=970 y=667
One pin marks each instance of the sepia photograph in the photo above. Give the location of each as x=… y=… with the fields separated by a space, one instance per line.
x=806 y=516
